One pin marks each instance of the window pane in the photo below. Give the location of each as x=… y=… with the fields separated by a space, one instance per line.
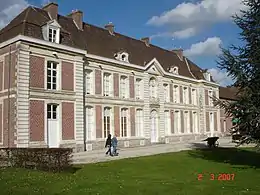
x=54 y=115
x=54 y=79
x=48 y=85
x=54 y=86
x=54 y=66
x=49 y=115
x=54 y=108
x=49 y=65
x=54 y=73
x=49 y=72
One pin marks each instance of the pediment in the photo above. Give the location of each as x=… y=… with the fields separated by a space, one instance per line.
x=54 y=23
x=154 y=67
x=153 y=70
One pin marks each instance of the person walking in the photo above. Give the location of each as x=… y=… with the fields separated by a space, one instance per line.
x=109 y=145
x=114 y=145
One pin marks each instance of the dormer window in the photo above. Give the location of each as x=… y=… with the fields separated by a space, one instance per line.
x=174 y=70
x=52 y=35
x=51 y=31
x=207 y=76
x=122 y=56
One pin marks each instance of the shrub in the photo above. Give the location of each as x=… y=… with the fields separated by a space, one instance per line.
x=50 y=159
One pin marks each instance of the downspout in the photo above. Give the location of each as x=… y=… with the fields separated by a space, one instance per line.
x=84 y=107
x=9 y=85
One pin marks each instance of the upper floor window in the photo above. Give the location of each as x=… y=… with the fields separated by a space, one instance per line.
x=166 y=92
x=52 y=35
x=185 y=95
x=107 y=84
x=176 y=94
x=52 y=75
x=194 y=96
x=138 y=88
x=124 y=87
x=174 y=70
x=51 y=31
x=89 y=82
x=210 y=98
x=122 y=56
x=153 y=88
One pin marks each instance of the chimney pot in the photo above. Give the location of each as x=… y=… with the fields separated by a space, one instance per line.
x=110 y=27
x=52 y=9
x=178 y=52
x=146 y=40
x=77 y=16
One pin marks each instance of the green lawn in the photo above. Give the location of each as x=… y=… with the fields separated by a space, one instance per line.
x=174 y=173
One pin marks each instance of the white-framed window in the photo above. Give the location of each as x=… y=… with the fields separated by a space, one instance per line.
x=174 y=70
x=90 y=125
x=89 y=82
x=187 y=121
x=167 y=122
x=138 y=88
x=177 y=121
x=107 y=84
x=194 y=97
x=176 y=94
x=210 y=98
x=124 y=122
x=122 y=56
x=195 y=122
x=185 y=95
x=52 y=111
x=124 y=87
x=52 y=34
x=166 y=92
x=139 y=122
x=153 y=88
x=52 y=75
x=107 y=121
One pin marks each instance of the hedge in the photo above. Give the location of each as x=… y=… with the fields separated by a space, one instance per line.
x=48 y=159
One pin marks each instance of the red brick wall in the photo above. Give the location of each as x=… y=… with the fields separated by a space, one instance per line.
x=132 y=86
x=132 y=119
x=172 y=121
x=99 y=121
x=98 y=82
x=171 y=92
x=117 y=121
x=116 y=84
x=67 y=78
x=36 y=120
x=36 y=71
x=12 y=69
x=67 y=121
x=206 y=97
x=1 y=75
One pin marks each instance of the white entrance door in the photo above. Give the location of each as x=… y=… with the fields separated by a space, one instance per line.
x=211 y=123
x=53 y=126
x=154 y=126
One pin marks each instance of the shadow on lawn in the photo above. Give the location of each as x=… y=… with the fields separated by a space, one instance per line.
x=232 y=156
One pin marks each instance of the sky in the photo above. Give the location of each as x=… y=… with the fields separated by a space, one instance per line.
x=199 y=27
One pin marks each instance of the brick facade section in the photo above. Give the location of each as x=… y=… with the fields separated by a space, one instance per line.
x=215 y=121
x=132 y=86
x=37 y=120
x=182 y=122
x=1 y=75
x=117 y=121
x=12 y=70
x=207 y=122
x=116 y=84
x=37 y=71
x=172 y=121
x=67 y=76
x=98 y=82
x=191 y=122
x=181 y=95
x=99 y=121
x=206 y=97
x=1 y=123
x=132 y=121
x=171 y=92
x=9 y=134
x=68 y=132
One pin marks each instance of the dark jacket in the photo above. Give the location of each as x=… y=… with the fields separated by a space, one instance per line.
x=108 y=141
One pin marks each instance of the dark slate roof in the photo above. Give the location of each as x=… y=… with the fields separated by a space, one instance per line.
x=228 y=93
x=97 y=41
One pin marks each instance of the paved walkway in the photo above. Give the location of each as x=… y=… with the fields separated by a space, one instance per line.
x=99 y=155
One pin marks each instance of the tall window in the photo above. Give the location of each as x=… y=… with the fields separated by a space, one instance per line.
x=185 y=95
x=107 y=121
x=90 y=123
x=107 y=86
x=186 y=122
x=194 y=96
x=124 y=116
x=52 y=111
x=52 y=35
x=139 y=122
x=195 y=122
x=138 y=88
x=210 y=98
x=166 y=92
x=89 y=82
x=51 y=75
x=153 y=88
x=123 y=87
x=177 y=122
x=176 y=94
x=167 y=122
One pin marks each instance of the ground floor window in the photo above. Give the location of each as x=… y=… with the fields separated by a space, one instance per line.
x=107 y=122
x=124 y=123
x=139 y=122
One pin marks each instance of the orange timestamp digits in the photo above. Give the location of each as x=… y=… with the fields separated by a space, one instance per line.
x=219 y=177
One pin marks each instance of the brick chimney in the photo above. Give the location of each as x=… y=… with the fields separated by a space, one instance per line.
x=110 y=27
x=77 y=16
x=146 y=40
x=179 y=53
x=52 y=8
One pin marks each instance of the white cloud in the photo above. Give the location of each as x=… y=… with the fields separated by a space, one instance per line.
x=195 y=16
x=220 y=77
x=9 y=9
x=209 y=47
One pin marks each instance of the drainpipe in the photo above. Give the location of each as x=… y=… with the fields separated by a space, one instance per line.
x=9 y=85
x=84 y=107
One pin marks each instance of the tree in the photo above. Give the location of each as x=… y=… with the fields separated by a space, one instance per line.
x=242 y=63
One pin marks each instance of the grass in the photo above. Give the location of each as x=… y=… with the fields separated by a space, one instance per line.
x=173 y=173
